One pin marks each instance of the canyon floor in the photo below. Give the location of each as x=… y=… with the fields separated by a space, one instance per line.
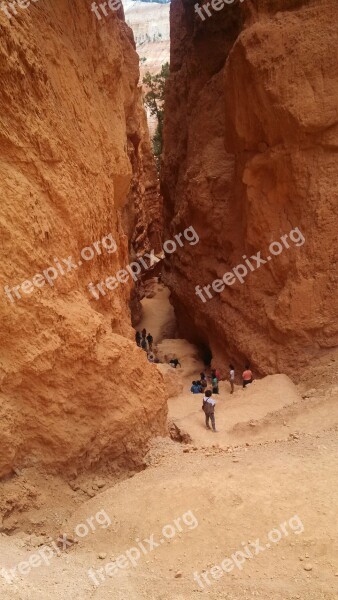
x=272 y=462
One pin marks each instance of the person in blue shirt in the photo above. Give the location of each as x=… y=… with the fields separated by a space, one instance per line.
x=195 y=388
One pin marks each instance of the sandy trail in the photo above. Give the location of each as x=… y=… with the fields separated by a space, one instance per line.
x=213 y=501
x=158 y=314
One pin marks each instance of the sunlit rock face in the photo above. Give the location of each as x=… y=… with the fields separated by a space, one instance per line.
x=75 y=389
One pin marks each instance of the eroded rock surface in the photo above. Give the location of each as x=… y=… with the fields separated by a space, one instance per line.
x=251 y=140
x=74 y=388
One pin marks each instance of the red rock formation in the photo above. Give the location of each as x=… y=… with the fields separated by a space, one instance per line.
x=251 y=140
x=75 y=390
x=143 y=212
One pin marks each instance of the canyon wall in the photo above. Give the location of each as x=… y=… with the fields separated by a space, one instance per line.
x=75 y=389
x=251 y=140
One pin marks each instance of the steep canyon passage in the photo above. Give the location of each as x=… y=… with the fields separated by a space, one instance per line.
x=168 y=298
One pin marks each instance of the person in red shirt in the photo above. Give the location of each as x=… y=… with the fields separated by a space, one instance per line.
x=247 y=376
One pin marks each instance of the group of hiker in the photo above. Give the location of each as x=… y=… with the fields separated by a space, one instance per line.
x=144 y=341
x=209 y=403
x=199 y=386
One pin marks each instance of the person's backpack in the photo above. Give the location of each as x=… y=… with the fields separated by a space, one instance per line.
x=207 y=407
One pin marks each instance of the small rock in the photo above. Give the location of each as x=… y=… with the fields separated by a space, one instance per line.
x=36 y=540
x=100 y=483
x=75 y=486
x=178 y=574
x=308 y=567
x=103 y=555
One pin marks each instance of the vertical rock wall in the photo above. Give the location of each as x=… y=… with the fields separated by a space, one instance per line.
x=75 y=390
x=251 y=139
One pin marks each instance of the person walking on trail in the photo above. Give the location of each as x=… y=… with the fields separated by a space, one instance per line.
x=232 y=378
x=144 y=333
x=150 y=340
x=138 y=338
x=209 y=410
x=247 y=376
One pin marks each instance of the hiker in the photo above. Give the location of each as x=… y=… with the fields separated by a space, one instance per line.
x=138 y=338
x=209 y=410
x=232 y=378
x=174 y=362
x=247 y=376
x=203 y=381
x=215 y=373
x=150 y=340
x=214 y=383
x=151 y=357
x=144 y=344
x=195 y=388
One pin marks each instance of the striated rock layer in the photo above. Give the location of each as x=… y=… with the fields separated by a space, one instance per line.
x=75 y=390
x=251 y=140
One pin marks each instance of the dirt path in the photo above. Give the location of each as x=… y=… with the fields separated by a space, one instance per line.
x=250 y=512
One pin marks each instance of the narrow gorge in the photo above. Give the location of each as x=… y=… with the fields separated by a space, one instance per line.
x=222 y=251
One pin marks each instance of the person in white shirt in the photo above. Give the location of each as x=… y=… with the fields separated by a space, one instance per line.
x=232 y=378
x=209 y=410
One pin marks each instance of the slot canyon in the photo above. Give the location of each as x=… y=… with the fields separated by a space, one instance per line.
x=222 y=248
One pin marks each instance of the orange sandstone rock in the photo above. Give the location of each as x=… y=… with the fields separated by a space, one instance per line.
x=75 y=390
x=251 y=138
